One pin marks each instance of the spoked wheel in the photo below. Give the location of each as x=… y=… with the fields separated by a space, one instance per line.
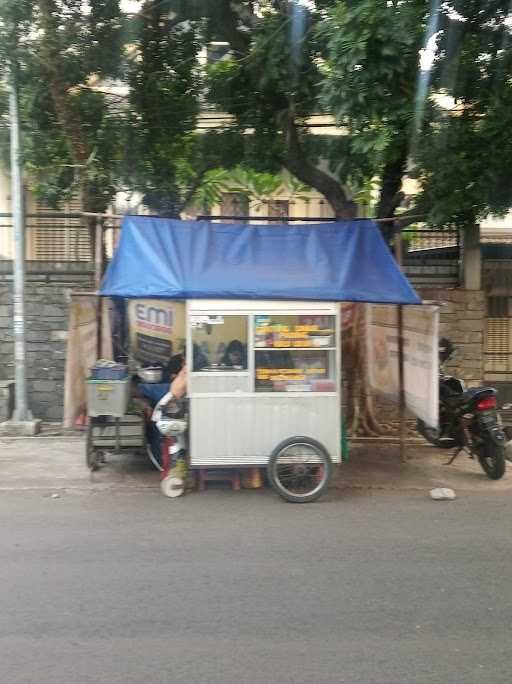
x=299 y=469
x=491 y=457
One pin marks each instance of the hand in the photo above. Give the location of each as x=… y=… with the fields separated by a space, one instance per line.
x=179 y=384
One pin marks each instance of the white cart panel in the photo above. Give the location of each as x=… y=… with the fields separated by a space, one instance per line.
x=245 y=429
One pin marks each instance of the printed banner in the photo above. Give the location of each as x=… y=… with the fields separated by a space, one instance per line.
x=81 y=351
x=348 y=311
x=157 y=329
x=421 y=362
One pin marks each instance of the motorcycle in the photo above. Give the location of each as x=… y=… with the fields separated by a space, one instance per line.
x=468 y=420
x=170 y=416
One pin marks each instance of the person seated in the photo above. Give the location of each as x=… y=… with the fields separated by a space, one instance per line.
x=200 y=360
x=235 y=355
x=173 y=367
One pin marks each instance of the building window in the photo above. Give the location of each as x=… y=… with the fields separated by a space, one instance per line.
x=234 y=204
x=219 y=343
x=497 y=307
x=294 y=353
x=498 y=336
x=62 y=238
x=279 y=209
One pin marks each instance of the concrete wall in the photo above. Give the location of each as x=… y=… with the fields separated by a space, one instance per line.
x=47 y=303
x=47 y=300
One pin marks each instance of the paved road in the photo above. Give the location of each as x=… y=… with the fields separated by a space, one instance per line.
x=225 y=587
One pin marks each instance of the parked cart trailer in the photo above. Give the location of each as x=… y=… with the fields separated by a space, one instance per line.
x=110 y=434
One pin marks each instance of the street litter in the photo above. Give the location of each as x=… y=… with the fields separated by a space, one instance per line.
x=442 y=494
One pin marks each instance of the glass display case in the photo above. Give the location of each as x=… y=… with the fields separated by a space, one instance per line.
x=294 y=353
x=284 y=383
x=219 y=343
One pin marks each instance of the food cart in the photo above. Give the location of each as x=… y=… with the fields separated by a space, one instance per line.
x=262 y=333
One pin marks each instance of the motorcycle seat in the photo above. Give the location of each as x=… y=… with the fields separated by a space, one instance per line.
x=468 y=395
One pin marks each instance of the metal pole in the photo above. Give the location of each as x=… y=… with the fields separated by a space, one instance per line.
x=401 y=383
x=98 y=273
x=21 y=412
x=401 y=380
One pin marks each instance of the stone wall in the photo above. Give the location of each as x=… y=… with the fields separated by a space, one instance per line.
x=48 y=288
x=47 y=293
x=462 y=319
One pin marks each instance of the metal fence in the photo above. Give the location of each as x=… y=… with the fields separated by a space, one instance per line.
x=49 y=237
x=59 y=237
x=430 y=257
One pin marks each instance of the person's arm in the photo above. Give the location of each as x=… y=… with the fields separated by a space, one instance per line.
x=178 y=387
x=177 y=390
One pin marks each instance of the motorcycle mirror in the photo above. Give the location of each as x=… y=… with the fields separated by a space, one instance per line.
x=446 y=349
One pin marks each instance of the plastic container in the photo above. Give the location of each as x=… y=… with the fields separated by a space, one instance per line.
x=321 y=340
x=107 y=397
x=323 y=386
x=116 y=371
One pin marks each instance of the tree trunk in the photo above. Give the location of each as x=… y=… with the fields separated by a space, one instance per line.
x=360 y=410
x=297 y=163
x=391 y=186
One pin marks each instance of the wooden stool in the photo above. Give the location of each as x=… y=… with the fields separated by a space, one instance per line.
x=231 y=476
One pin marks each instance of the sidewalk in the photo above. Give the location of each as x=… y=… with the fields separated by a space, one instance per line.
x=57 y=462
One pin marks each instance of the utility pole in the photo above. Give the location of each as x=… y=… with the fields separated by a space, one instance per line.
x=21 y=412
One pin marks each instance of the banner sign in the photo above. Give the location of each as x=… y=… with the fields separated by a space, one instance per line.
x=348 y=311
x=157 y=329
x=421 y=361
x=81 y=352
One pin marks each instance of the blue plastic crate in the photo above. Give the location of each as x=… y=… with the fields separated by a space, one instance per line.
x=117 y=372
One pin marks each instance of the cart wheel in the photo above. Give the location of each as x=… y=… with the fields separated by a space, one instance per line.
x=92 y=457
x=299 y=469
x=172 y=486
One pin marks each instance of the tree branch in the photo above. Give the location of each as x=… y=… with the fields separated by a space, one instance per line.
x=68 y=118
x=297 y=163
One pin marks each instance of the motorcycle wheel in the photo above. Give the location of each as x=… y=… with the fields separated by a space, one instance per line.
x=299 y=469
x=492 y=459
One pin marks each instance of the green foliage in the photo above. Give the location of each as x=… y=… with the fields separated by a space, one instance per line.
x=15 y=22
x=357 y=60
x=463 y=159
x=61 y=46
x=255 y=186
x=371 y=53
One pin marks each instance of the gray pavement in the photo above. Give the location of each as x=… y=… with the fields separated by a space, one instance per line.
x=104 y=580
x=56 y=462
x=365 y=587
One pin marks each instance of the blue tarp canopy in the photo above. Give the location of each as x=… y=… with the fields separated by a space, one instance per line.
x=346 y=261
